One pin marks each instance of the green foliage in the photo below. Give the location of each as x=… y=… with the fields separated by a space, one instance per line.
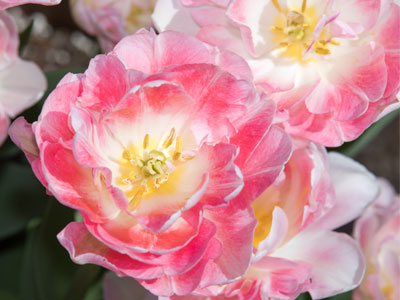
x=24 y=37
x=345 y=296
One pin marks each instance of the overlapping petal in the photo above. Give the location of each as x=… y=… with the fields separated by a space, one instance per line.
x=152 y=150
x=331 y=66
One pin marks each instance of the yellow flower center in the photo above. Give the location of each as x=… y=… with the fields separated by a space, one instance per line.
x=144 y=172
x=293 y=32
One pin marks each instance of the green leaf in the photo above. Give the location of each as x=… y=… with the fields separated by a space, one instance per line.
x=352 y=149
x=304 y=296
x=345 y=296
x=95 y=292
x=47 y=264
x=24 y=37
x=6 y=295
x=11 y=254
x=22 y=198
x=84 y=278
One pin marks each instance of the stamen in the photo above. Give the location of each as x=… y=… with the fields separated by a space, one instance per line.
x=334 y=42
x=146 y=141
x=126 y=155
x=168 y=141
x=283 y=45
x=276 y=3
x=178 y=148
x=135 y=200
x=322 y=51
x=304 y=6
x=276 y=28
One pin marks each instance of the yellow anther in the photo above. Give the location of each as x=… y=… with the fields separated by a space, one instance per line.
x=322 y=51
x=168 y=141
x=126 y=155
x=146 y=141
x=299 y=35
x=178 y=148
x=135 y=200
x=276 y=3
x=333 y=42
x=305 y=25
x=276 y=28
x=304 y=6
x=187 y=157
x=283 y=45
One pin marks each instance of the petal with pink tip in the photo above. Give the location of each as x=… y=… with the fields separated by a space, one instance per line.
x=84 y=248
x=337 y=262
x=171 y=14
x=103 y=92
x=9 y=39
x=185 y=283
x=22 y=84
x=4 y=4
x=71 y=183
x=4 y=123
x=236 y=236
x=355 y=188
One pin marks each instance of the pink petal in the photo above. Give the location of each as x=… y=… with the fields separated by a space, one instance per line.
x=355 y=188
x=22 y=85
x=21 y=134
x=105 y=83
x=4 y=4
x=226 y=180
x=71 y=184
x=4 y=123
x=236 y=236
x=185 y=283
x=265 y=151
x=337 y=262
x=84 y=248
x=172 y=15
x=9 y=39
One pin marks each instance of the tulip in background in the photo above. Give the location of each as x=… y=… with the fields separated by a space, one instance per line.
x=378 y=231
x=4 y=4
x=110 y=20
x=333 y=67
x=22 y=83
x=146 y=147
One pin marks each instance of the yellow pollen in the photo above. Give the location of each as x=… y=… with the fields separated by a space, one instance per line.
x=146 y=141
x=126 y=155
x=283 y=45
x=168 y=141
x=276 y=28
x=333 y=42
x=178 y=148
x=135 y=200
x=276 y=3
x=322 y=51
x=303 y=6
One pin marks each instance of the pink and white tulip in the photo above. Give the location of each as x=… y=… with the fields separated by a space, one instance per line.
x=22 y=83
x=146 y=147
x=378 y=232
x=332 y=66
x=295 y=247
x=110 y=20
x=4 y=4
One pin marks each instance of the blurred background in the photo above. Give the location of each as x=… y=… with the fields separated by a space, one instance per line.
x=33 y=264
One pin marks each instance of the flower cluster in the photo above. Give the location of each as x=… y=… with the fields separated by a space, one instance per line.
x=196 y=156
